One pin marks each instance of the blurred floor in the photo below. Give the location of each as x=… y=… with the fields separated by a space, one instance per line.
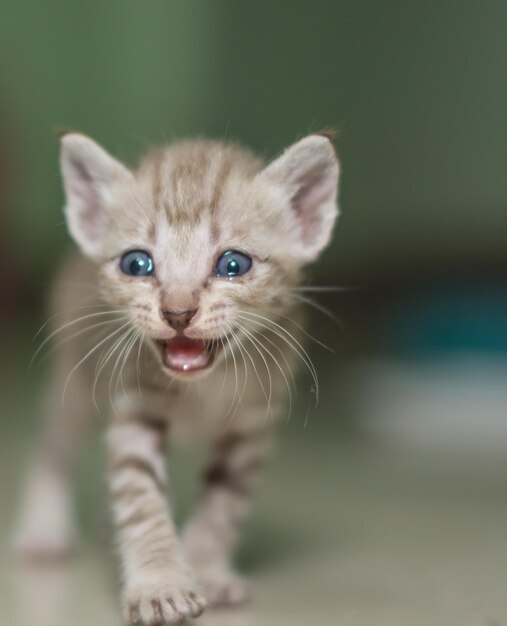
x=346 y=530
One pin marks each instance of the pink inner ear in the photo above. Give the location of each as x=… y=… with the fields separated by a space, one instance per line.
x=314 y=191
x=86 y=201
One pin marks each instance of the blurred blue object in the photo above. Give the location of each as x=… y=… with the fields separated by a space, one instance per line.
x=455 y=319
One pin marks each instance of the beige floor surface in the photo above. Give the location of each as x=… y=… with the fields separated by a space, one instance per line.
x=346 y=531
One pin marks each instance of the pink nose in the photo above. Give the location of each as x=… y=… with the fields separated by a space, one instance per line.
x=178 y=320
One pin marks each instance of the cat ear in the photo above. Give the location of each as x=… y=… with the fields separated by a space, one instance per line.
x=307 y=175
x=90 y=177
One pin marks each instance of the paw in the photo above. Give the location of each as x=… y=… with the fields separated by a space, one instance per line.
x=38 y=546
x=161 y=602
x=223 y=587
x=45 y=529
x=44 y=535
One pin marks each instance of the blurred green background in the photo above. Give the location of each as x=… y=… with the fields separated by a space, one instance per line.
x=417 y=92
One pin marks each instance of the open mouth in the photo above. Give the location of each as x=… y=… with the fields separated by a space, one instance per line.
x=185 y=356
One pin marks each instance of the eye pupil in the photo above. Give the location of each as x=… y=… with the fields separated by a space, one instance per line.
x=137 y=266
x=232 y=268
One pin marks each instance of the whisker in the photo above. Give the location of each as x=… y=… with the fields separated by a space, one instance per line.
x=235 y=376
x=318 y=307
x=71 y=323
x=284 y=330
x=128 y=350
x=138 y=367
x=240 y=396
x=121 y=347
x=253 y=364
x=226 y=367
x=325 y=288
x=71 y=337
x=125 y=341
x=101 y=364
x=303 y=330
x=238 y=343
x=261 y=345
x=65 y=312
x=87 y=355
x=302 y=353
x=249 y=336
x=282 y=354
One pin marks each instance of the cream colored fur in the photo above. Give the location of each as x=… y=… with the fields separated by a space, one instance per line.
x=185 y=204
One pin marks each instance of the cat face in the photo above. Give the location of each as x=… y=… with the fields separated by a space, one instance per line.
x=199 y=236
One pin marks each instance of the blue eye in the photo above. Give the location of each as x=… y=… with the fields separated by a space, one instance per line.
x=233 y=263
x=137 y=263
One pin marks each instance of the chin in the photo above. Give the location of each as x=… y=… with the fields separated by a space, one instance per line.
x=187 y=358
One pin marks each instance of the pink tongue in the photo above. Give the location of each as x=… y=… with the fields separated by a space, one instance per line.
x=186 y=354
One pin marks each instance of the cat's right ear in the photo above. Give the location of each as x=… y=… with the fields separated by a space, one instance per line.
x=306 y=178
x=90 y=178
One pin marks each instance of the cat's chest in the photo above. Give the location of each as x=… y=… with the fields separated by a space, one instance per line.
x=197 y=409
x=227 y=398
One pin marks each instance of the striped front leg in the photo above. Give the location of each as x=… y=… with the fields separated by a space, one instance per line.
x=158 y=588
x=211 y=534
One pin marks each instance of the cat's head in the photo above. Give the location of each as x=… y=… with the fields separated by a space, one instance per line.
x=201 y=237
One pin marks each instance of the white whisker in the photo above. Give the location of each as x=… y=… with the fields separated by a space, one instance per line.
x=280 y=350
x=226 y=367
x=240 y=348
x=65 y=312
x=236 y=391
x=125 y=341
x=74 y=336
x=87 y=355
x=303 y=330
x=138 y=367
x=130 y=345
x=301 y=352
x=253 y=365
x=318 y=307
x=71 y=323
x=261 y=345
x=249 y=336
x=101 y=364
x=325 y=289
x=240 y=396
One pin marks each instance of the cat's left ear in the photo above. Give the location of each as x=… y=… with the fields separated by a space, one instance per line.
x=306 y=175
x=91 y=177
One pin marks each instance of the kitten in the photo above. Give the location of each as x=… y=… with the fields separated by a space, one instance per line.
x=190 y=265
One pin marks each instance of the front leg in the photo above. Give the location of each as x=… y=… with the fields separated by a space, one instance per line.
x=158 y=588
x=211 y=534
